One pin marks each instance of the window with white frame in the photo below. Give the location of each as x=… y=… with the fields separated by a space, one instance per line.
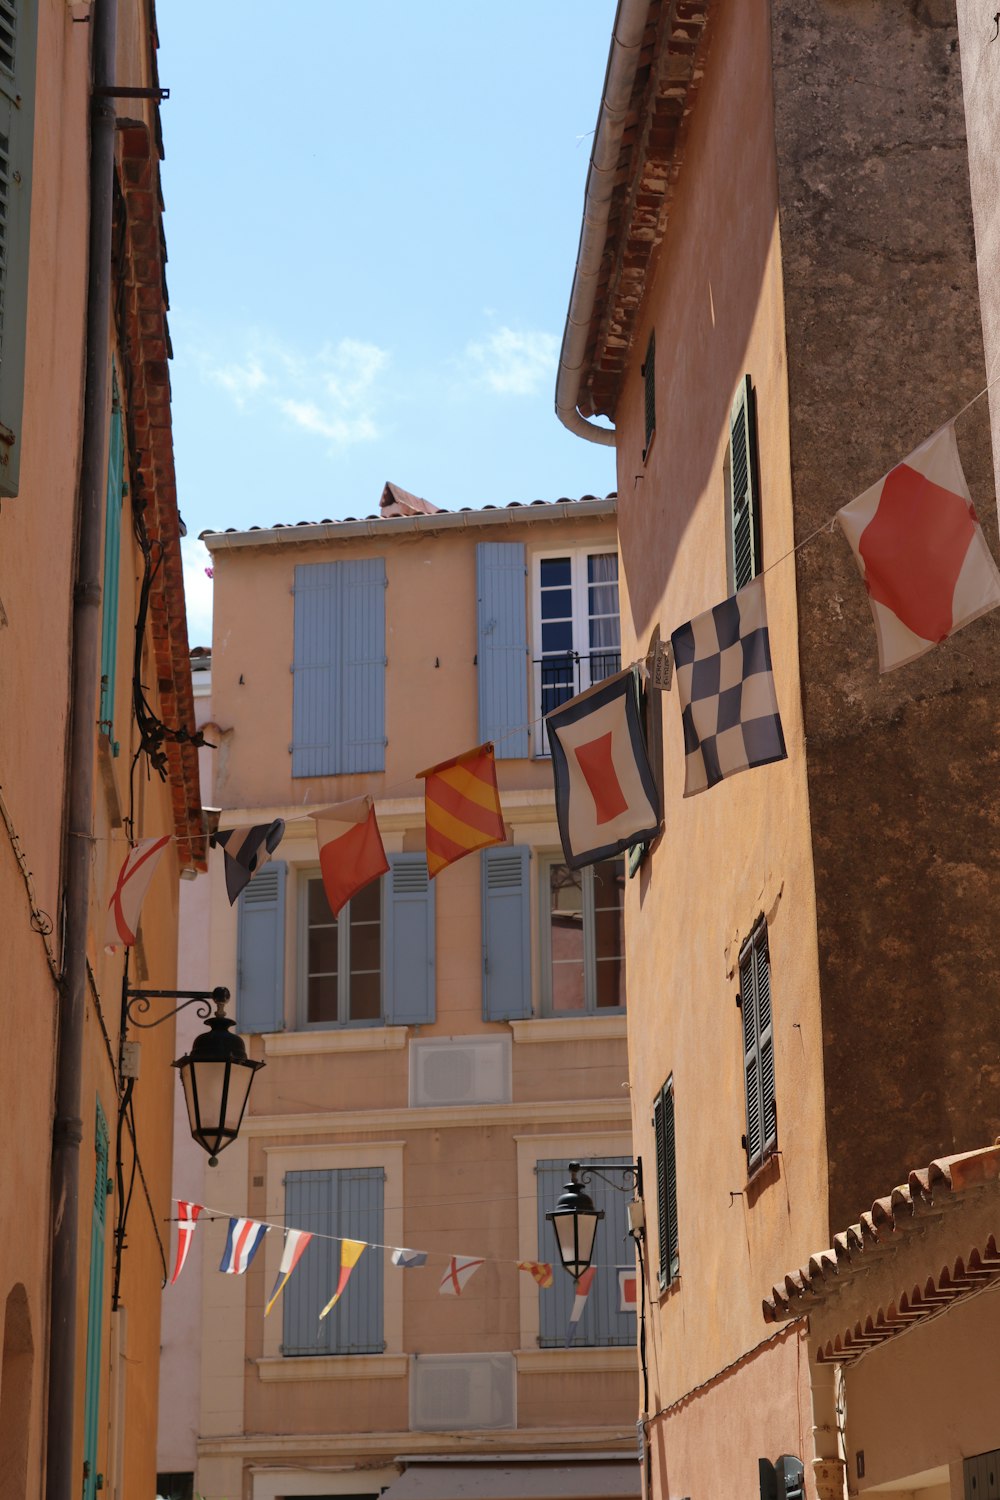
x=577 y=633
x=341 y=957
x=583 y=949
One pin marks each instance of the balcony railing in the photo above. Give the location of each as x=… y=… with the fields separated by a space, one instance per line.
x=559 y=678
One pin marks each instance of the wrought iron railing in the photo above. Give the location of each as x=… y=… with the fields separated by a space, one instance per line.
x=558 y=678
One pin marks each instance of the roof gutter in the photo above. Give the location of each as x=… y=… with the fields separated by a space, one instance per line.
x=378 y=526
x=623 y=62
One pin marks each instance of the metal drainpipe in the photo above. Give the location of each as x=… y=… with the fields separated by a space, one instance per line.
x=61 y=1481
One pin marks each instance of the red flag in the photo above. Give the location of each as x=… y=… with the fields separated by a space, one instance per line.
x=187 y=1218
x=132 y=884
x=461 y=807
x=921 y=552
x=350 y=849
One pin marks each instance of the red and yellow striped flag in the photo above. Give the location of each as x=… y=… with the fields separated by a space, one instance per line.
x=541 y=1270
x=461 y=807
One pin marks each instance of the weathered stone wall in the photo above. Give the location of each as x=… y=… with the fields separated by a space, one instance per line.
x=884 y=345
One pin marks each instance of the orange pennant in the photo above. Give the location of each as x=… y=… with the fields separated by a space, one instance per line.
x=541 y=1270
x=461 y=807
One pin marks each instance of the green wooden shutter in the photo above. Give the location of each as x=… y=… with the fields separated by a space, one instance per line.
x=666 y=1184
x=744 y=498
x=18 y=25
x=758 y=1049
x=112 y=565
x=649 y=392
x=95 y=1307
x=506 y=933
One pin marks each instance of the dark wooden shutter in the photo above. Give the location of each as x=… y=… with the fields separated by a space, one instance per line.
x=112 y=564
x=18 y=22
x=744 y=500
x=666 y=1184
x=502 y=647
x=506 y=934
x=408 y=972
x=649 y=391
x=758 y=1048
x=260 y=951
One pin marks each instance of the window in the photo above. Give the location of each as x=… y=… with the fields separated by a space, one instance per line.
x=338 y=682
x=576 y=628
x=343 y=958
x=583 y=950
x=373 y=963
x=649 y=393
x=666 y=1184
x=18 y=22
x=349 y=1202
x=761 y=1139
x=742 y=479
x=602 y=1322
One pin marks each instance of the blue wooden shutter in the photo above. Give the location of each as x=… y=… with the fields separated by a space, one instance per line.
x=95 y=1310
x=506 y=934
x=345 y=1202
x=601 y=1323
x=502 y=647
x=112 y=566
x=260 y=951
x=408 y=942
x=338 y=686
x=18 y=21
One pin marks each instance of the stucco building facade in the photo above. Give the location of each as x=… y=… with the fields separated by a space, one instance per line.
x=778 y=242
x=437 y=1054
x=86 y=439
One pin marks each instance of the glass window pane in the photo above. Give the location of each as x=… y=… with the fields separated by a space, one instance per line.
x=603 y=599
x=323 y=950
x=602 y=567
x=609 y=933
x=321 y=1001
x=365 y=947
x=366 y=905
x=557 y=604
x=319 y=907
x=566 y=939
x=609 y=883
x=366 y=997
x=557 y=636
x=555 y=572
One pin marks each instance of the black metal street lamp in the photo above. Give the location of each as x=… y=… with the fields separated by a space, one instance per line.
x=216 y=1073
x=575 y=1221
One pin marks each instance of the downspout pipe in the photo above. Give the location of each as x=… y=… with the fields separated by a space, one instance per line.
x=623 y=61
x=61 y=1480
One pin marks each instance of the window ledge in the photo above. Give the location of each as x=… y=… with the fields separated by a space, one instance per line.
x=311 y=1043
x=569 y=1029
x=576 y=1361
x=333 y=1367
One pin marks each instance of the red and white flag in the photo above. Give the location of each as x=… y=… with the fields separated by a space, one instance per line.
x=351 y=855
x=296 y=1241
x=187 y=1218
x=921 y=552
x=628 y=1286
x=583 y=1285
x=130 y=889
x=460 y=1269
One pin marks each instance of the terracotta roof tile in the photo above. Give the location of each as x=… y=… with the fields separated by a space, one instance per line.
x=401 y=498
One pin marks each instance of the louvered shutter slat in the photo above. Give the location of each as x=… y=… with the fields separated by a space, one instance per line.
x=506 y=934
x=751 y=1059
x=502 y=647
x=673 y=1259
x=17 y=108
x=744 y=519
x=659 y=1136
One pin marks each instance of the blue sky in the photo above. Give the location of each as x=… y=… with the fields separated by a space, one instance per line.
x=372 y=214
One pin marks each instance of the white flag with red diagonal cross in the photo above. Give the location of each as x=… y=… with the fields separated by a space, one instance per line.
x=460 y=1269
x=921 y=552
x=130 y=889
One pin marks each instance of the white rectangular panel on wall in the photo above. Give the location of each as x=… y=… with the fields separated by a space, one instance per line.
x=449 y=1392
x=460 y=1070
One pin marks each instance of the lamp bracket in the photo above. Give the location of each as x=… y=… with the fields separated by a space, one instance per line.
x=629 y=1177
x=137 y=1002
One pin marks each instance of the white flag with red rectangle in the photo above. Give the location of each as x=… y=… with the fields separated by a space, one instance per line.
x=921 y=552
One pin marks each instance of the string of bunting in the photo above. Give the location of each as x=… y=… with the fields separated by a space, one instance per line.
x=244 y=1237
x=927 y=570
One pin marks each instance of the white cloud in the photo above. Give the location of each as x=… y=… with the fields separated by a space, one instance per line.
x=332 y=393
x=510 y=363
x=195 y=558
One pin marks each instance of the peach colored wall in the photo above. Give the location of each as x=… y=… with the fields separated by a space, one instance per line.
x=742 y=849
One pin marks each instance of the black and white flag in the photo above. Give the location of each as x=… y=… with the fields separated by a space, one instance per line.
x=246 y=851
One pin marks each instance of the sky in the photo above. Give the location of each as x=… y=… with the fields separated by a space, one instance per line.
x=372 y=215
